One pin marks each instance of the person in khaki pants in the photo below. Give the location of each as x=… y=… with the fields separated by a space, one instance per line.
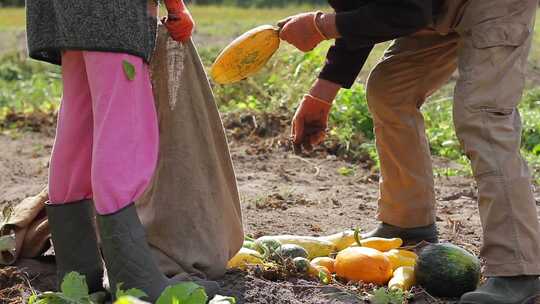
x=487 y=42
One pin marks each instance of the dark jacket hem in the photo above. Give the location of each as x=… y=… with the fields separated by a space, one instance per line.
x=53 y=55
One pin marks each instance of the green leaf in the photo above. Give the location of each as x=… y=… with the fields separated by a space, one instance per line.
x=129 y=69
x=222 y=300
x=132 y=292
x=50 y=298
x=33 y=299
x=323 y=277
x=380 y=296
x=184 y=293
x=74 y=287
x=385 y=296
x=346 y=171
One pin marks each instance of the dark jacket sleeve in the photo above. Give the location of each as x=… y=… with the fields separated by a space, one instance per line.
x=383 y=20
x=343 y=64
x=362 y=24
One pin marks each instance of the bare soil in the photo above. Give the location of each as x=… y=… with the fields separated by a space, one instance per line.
x=282 y=193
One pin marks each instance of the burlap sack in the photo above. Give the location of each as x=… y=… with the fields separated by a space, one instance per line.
x=27 y=229
x=191 y=210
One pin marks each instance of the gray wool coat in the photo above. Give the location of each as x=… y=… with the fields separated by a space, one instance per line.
x=124 y=26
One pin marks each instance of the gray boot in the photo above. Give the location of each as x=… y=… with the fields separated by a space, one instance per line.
x=410 y=236
x=128 y=257
x=505 y=290
x=75 y=242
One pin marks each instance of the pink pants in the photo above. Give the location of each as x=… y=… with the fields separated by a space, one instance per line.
x=107 y=135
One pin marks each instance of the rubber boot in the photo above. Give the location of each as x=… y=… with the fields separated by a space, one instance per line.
x=505 y=290
x=410 y=236
x=128 y=257
x=75 y=242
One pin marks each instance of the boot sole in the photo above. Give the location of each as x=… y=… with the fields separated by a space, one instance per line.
x=530 y=300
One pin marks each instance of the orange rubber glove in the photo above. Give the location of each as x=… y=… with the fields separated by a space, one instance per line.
x=302 y=31
x=179 y=22
x=310 y=123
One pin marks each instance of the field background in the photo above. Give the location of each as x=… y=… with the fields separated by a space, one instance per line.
x=332 y=189
x=279 y=85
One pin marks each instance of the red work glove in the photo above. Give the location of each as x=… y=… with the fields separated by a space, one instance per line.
x=179 y=22
x=302 y=31
x=310 y=123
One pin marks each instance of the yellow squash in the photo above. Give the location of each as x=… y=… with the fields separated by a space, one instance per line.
x=400 y=258
x=407 y=253
x=381 y=244
x=341 y=240
x=246 y=55
x=403 y=279
x=314 y=246
x=321 y=273
x=244 y=258
x=325 y=262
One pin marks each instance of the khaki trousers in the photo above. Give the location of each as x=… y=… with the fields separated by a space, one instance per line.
x=488 y=42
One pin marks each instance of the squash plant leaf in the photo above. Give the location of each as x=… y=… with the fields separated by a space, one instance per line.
x=74 y=287
x=129 y=69
x=184 y=293
x=132 y=292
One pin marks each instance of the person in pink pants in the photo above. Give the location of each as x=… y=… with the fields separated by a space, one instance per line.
x=107 y=135
x=106 y=145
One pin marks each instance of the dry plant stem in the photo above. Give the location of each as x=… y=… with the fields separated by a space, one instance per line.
x=317 y=169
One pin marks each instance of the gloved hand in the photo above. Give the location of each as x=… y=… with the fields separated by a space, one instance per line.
x=179 y=22
x=302 y=31
x=310 y=123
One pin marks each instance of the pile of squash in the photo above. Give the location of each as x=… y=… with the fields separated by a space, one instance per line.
x=345 y=255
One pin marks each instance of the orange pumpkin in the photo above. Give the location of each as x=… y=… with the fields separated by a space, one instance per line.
x=363 y=264
x=324 y=261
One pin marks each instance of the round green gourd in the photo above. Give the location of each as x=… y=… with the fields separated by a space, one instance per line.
x=302 y=265
x=251 y=245
x=290 y=251
x=445 y=270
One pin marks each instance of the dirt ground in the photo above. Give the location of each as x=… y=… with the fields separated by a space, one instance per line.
x=281 y=194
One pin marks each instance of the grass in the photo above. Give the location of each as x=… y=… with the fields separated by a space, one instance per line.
x=12 y=18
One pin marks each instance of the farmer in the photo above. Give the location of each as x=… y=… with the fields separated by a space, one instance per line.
x=488 y=42
x=106 y=145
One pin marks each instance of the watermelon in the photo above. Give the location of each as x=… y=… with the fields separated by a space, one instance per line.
x=446 y=270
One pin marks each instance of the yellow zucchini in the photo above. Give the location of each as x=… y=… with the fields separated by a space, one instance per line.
x=314 y=246
x=244 y=258
x=407 y=253
x=403 y=278
x=341 y=240
x=400 y=258
x=381 y=244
